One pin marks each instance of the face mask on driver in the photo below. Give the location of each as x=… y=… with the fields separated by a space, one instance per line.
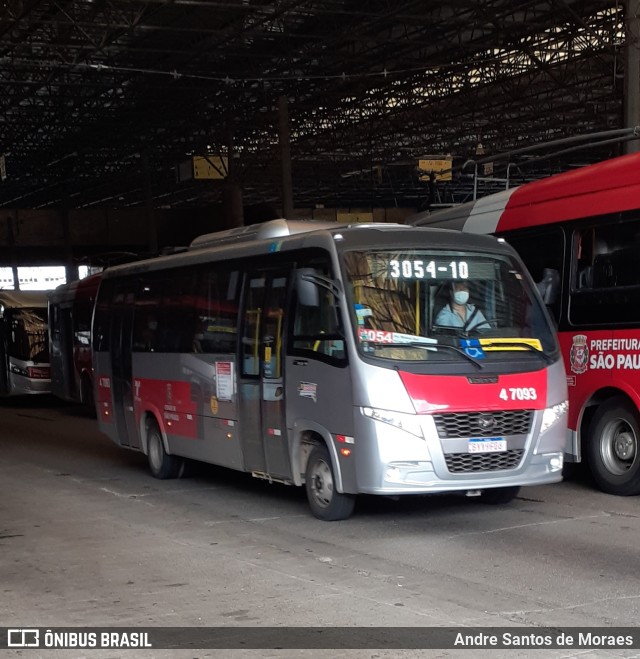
x=461 y=297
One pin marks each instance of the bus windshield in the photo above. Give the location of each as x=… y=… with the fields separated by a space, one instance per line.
x=443 y=305
x=29 y=340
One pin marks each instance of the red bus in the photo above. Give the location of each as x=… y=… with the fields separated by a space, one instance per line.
x=70 y=311
x=579 y=235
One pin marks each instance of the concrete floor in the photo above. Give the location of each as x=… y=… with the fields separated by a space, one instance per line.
x=88 y=538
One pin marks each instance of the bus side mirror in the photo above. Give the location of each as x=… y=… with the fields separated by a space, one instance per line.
x=306 y=287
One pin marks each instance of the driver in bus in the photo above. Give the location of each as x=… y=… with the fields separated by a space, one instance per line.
x=459 y=312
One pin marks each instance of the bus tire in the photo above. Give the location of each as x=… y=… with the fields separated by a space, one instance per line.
x=612 y=448
x=325 y=501
x=498 y=496
x=161 y=464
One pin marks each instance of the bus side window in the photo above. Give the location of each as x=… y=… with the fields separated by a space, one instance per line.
x=217 y=311
x=542 y=250
x=607 y=285
x=179 y=314
x=317 y=330
x=146 y=317
x=251 y=326
x=591 y=249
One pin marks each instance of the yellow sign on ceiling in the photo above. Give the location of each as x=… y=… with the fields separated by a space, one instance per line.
x=441 y=167
x=210 y=167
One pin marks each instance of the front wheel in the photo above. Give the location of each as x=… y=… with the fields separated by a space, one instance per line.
x=325 y=501
x=612 y=448
x=498 y=496
x=161 y=464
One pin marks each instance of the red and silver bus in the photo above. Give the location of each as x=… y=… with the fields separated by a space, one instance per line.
x=24 y=345
x=70 y=312
x=579 y=235
x=315 y=356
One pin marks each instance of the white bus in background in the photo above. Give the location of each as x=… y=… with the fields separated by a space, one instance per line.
x=24 y=343
x=313 y=356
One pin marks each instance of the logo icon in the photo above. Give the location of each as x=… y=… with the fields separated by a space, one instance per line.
x=579 y=354
x=23 y=638
x=486 y=422
x=472 y=347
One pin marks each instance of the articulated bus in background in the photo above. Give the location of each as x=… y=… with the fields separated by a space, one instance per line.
x=70 y=312
x=579 y=235
x=24 y=344
x=316 y=357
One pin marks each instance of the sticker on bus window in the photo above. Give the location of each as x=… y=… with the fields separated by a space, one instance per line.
x=213 y=404
x=378 y=336
x=472 y=348
x=224 y=380
x=397 y=338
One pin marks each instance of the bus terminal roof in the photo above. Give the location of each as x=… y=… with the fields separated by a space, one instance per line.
x=107 y=103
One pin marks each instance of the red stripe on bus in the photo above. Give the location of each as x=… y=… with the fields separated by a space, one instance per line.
x=432 y=394
x=599 y=359
x=608 y=187
x=171 y=401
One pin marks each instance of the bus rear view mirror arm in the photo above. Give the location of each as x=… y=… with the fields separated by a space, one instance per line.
x=307 y=282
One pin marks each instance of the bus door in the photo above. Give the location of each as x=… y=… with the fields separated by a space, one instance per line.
x=122 y=385
x=4 y=357
x=65 y=334
x=261 y=383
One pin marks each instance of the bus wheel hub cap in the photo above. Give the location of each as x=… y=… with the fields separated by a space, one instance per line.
x=624 y=446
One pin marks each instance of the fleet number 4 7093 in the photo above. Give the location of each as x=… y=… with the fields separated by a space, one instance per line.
x=518 y=393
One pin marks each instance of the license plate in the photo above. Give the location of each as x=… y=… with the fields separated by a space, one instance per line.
x=488 y=445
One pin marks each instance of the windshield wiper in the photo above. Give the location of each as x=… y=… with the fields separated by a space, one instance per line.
x=434 y=347
x=515 y=344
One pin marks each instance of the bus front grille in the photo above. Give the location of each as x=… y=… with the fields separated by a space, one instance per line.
x=483 y=424
x=468 y=462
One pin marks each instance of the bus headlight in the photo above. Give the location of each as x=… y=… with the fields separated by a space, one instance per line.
x=552 y=414
x=407 y=422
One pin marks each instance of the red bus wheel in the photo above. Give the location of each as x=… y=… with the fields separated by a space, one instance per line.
x=613 y=448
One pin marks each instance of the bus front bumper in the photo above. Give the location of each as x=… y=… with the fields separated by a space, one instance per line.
x=420 y=478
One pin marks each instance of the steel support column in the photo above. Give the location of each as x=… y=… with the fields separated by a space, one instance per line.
x=285 y=157
x=632 y=71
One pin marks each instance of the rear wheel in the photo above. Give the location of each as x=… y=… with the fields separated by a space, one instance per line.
x=497 y=496
x=325 y=501
x=161 y=464
x=612 y=448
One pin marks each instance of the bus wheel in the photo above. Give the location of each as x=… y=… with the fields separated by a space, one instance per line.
x=612 y=448
x=325 y=501
x=161 y=464
x=497 y=496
